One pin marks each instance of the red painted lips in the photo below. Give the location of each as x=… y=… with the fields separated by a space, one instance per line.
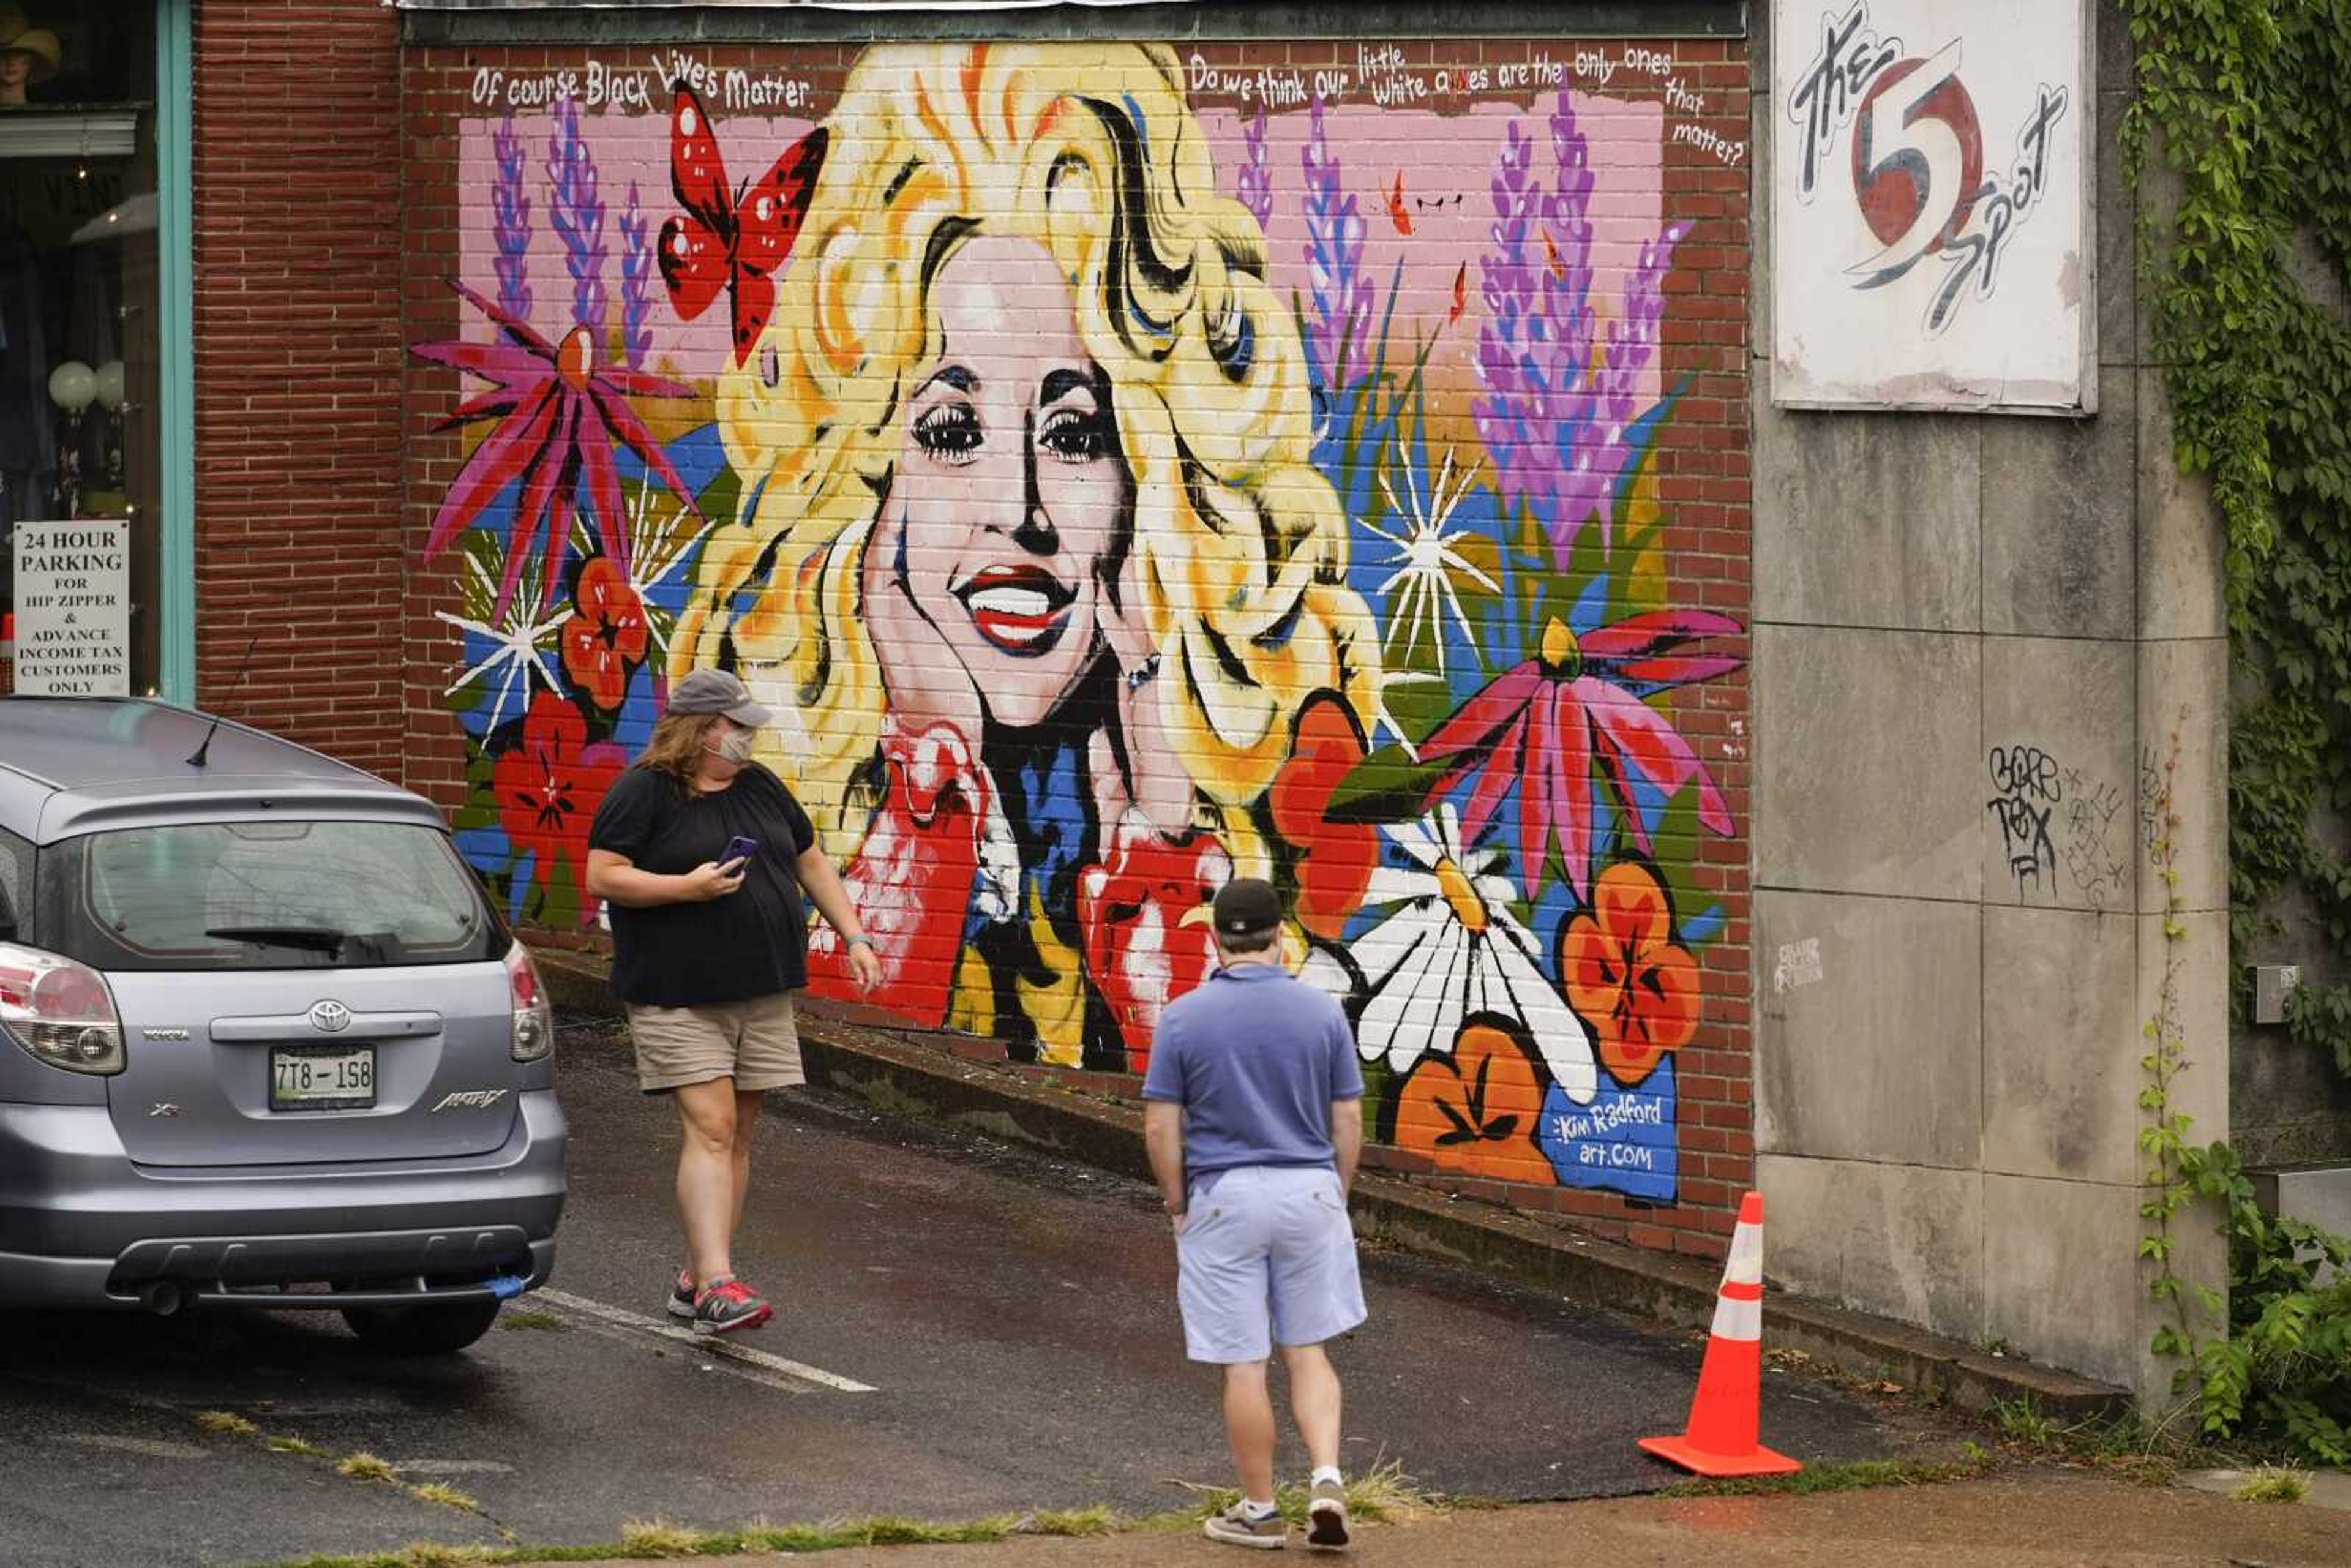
x=1022 y=609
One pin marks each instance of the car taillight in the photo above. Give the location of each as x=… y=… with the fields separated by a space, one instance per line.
x=533 y=1021
x=58 y=1011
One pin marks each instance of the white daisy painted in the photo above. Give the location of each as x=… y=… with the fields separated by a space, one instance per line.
x=1453 y=949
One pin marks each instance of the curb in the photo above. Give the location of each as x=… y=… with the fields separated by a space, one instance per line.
x=892 y=1072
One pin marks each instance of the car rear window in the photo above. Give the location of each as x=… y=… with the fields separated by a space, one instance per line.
x=275 y=894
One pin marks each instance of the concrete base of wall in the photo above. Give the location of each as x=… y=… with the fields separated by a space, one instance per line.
x=898 y=1072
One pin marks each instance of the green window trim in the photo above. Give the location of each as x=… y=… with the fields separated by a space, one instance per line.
x=175 y=187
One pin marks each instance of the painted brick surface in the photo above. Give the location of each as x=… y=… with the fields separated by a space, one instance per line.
x=1128 y=469
x=297 y=268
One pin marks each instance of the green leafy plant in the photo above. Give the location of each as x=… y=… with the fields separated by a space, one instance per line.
x=2244 y=101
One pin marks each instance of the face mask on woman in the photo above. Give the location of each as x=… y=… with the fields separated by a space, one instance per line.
x=735 y=746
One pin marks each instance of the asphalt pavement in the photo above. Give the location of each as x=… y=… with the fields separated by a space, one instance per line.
x=962 y=1329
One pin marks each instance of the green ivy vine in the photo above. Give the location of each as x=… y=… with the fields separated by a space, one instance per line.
x=2244 y=101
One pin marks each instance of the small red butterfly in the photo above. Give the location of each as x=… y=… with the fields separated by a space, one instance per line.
x=731 y=238
x=1398 y=214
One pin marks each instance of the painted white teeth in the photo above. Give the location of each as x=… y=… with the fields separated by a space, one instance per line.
x=1012 y=601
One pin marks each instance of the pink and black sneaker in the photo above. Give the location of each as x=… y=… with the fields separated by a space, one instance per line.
x=681 y=1297
x=728 y=1306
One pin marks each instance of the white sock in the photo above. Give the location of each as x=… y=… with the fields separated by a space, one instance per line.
x=1327 y=1473
x=1258 y=1509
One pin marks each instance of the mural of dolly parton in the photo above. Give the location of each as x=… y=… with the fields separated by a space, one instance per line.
x=1031 y=533
x=1117 y=490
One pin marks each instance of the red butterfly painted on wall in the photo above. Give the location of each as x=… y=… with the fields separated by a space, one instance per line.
x=728 y=237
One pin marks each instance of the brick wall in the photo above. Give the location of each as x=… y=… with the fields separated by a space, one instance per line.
x=1556 y=1087
x=297 y=165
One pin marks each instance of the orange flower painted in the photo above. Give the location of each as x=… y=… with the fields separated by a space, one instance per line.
x=1626 y=977
x=1337 y=859
x=1474 y=1113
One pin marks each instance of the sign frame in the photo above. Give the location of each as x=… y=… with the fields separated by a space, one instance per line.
x=1924 y=380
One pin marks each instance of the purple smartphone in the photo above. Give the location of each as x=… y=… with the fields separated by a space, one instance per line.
x=738 y=849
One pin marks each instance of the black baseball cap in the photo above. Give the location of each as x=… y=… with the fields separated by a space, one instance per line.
x=1246 y=906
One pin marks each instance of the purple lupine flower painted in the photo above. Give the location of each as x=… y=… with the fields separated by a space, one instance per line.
x=577 y=216
x=1558 y=405
x=636 y=284
x=512 y=210
x=1335 y=257
x=1256 y=182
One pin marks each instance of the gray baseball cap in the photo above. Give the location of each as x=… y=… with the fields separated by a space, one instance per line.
x=715 y=691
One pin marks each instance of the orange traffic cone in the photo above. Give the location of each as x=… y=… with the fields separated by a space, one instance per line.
x=1721 y=1438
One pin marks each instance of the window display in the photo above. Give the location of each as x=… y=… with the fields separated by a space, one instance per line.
x=79 y=439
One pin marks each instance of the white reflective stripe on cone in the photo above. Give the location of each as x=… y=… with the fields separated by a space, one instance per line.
x=1737 y=1320
x=1746 y=1266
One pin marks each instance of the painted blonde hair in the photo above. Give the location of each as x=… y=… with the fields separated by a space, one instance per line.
x=1241 y=543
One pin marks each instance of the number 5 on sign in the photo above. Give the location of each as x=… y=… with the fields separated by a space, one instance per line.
x=1918 y=162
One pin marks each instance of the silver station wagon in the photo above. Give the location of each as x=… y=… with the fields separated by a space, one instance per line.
x=264 y=1043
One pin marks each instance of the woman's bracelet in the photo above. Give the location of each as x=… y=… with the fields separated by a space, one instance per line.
x=860 y=940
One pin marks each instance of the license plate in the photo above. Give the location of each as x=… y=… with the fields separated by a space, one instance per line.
x=309 y=1078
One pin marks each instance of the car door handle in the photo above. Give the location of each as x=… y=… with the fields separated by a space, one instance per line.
x=298 y=1026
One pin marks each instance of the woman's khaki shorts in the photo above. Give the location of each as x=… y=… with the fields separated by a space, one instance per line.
x=756 y=1042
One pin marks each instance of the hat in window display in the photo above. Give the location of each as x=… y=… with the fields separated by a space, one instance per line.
x=19 y=36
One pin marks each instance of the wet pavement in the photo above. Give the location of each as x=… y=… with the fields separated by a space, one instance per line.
x=962 y=1329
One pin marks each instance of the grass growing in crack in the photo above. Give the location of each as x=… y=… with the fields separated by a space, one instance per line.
x=1853 y=1476
x=546 y=1321
x=2274 y=1483
x=226 y=1421
x=1385 y=1494
x=445 y=1495
x=296 y=1445
x=365 y=1468
x=2021 y=1420
x=1381 y=1495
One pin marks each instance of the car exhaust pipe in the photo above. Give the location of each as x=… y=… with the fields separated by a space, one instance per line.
x=161 y=1298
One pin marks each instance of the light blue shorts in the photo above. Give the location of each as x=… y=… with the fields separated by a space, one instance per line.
x=1267 y=1257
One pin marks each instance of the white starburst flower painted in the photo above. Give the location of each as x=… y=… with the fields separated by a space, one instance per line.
x=1427 y=560
x=1452 y=950
x=520 y=641
x=659 y=546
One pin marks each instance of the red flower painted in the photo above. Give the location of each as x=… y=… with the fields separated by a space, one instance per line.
x=558 y=413
x=550 y=785
x=606 y=637
x=1626 y=975
x=1337 y=858
x=1546 y=724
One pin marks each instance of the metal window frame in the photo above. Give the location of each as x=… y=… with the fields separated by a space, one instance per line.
x=175 y=191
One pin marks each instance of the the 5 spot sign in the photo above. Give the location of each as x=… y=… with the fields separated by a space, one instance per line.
x=1932 y=225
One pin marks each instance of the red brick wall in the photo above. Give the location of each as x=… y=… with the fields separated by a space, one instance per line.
x=298 y=341
x=495 y=776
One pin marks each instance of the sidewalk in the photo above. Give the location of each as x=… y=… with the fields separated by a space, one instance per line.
x=2040 y=1520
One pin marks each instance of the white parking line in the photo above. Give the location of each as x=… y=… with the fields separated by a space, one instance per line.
x=563 y=1302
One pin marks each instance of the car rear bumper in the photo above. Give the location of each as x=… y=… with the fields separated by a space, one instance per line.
x=82 y=1225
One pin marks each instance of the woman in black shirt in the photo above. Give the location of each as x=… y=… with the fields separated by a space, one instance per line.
x=708 y=951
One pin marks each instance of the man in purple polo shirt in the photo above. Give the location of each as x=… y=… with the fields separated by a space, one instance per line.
x=1252 y=1122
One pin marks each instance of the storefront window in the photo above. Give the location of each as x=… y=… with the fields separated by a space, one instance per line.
x=80 y=433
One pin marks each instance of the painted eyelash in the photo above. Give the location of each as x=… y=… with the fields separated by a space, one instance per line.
x=935 y=422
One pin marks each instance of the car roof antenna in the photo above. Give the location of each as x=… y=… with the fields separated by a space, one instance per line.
x=204 y=747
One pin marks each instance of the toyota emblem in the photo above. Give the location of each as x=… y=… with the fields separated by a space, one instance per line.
x=329 y=1018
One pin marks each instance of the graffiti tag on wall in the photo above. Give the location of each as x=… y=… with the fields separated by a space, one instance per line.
x=1119 y=487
